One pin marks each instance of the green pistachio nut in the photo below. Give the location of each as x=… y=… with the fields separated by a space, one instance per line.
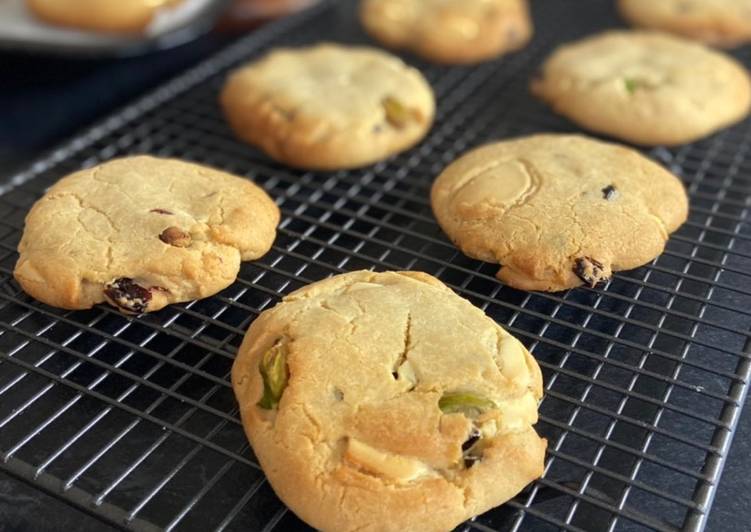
x=274 y=372
x=397 y=113
x=467 y=403
x=631 y=85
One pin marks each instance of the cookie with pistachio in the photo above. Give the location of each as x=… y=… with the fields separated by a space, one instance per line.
x=717 y=22
x=558 y=211
x=329 y=107
x=645 y=87
x=449 y=31
x=141 y=233
x=367 y=394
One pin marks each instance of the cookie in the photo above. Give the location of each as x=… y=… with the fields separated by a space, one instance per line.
x=329 y=107
x=645 y=87
x=719 y=22
x=558 y=211
x=127 y=16
x=449 y=31
x=141 y=233
x=384 y=401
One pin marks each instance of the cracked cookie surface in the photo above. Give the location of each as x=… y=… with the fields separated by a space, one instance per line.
x=558 y=211
x=128 y=16
x=717 y=22
x=402 y=406
x=645 y=87
x=449 y=31
x=328 y=106
x=141 y=233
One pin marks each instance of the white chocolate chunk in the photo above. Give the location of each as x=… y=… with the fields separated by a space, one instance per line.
x=513 y=362
x=390 y=465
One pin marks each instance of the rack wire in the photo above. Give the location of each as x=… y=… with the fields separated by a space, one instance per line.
x=133 y=420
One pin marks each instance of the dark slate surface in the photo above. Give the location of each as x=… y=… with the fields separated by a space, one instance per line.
x=45 y=100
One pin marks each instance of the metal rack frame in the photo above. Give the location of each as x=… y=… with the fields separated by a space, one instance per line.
x=133 y=419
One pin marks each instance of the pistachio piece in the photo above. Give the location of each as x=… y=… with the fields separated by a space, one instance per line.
x=174 y=236
x=631 y=85
x=468 y=403
x=397 y=114
x=393 y=466
x=274 y=372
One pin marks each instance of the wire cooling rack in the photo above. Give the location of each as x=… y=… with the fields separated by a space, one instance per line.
x=133 y=419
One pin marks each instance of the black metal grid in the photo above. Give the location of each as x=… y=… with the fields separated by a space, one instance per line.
x=134 y=421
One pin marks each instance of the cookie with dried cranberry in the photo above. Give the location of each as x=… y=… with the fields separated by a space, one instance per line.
x=384 y=401
x=719 y=22
x=558 y=211
x=141 y=233
x=329 y=107
x=449 y=31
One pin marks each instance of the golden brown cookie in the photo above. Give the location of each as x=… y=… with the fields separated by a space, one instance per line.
x=449 y=31
x=127 y=16
x=558 y=211
x=719 y=22
x=384 y=401
x=141 y=233
x=329 y=106
x=645 y=87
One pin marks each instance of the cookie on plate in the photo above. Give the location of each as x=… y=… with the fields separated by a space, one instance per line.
x=141 y=233
x=384 y=401
x=558 y=211
x=718 y=22
x=645 y=87
x=449 y=31
x=329 y=106
x=126 y=16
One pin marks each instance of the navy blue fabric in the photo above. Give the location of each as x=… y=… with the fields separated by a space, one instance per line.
x=44 y=100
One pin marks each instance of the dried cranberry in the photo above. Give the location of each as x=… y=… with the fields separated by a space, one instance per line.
x=469 y=453
x=589 y=270
x=474 y=437
x=161 y=211
x=128 y=295
x=610 y=192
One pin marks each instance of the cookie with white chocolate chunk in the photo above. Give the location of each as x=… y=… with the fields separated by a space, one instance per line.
x=329 y=107
x=367 y=394
x=141 y=233
x=558 y=211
